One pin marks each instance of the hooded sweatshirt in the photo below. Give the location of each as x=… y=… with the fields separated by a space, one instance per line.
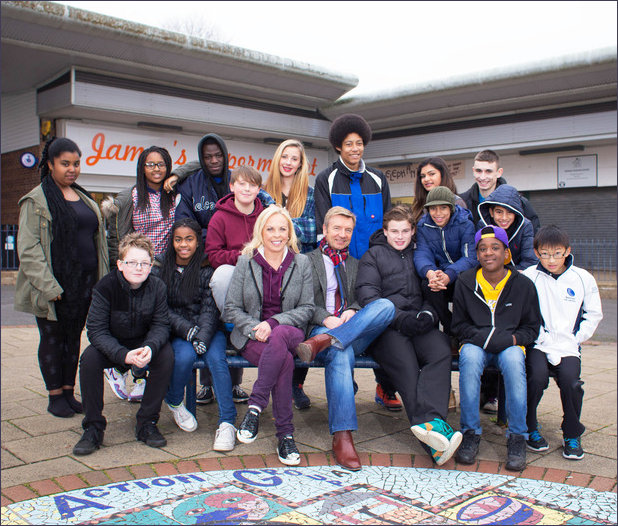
x=520 y=233
x=228 y=231
x=200 y=191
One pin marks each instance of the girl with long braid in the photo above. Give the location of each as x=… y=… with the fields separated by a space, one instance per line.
x=62 y=250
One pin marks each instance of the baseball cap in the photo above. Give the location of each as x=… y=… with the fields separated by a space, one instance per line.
x=492 y=231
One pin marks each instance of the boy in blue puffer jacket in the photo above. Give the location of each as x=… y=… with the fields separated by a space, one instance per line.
x=444 y=249
x=503 y=208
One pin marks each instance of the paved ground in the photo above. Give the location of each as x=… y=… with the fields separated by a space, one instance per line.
x=37 y=447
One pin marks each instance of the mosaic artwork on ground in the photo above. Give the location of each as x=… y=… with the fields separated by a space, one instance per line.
x=322 y=495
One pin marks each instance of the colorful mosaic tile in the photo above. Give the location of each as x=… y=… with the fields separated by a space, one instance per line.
x=322 y=495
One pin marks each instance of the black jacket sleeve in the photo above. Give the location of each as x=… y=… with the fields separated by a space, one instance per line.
x=462 y=326
x=98 y=329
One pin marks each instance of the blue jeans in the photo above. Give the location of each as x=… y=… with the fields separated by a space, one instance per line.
x=354 y=337
x=512 y=365
x=184 y=356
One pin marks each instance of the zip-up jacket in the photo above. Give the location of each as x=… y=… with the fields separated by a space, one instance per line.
x=121 y=318
x=570 y=306
x=520 y=233
x=516 y=313
x=366 y=193
x=243 y=303
x=450 y=249
x=201 y=311
x=472 y=199
x=385 y=272
x=229 y=230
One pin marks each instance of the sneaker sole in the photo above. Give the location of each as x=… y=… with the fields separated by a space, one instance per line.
x=379 y=401
x=288 y=462
x=571 y=457
x=432 y=438
x=83 y=453
x=537 y=449
x=243 y=439
x=451 y=449
x=224 y=447
x=239 y=400
x=204 y=402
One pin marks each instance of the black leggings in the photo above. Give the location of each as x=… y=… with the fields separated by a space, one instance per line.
x=59 y=350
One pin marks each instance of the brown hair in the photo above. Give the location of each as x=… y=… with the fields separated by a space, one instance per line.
x=248 y=173
x=420 y=194
x=399 y=213
x=488 y=156
x=135 y=240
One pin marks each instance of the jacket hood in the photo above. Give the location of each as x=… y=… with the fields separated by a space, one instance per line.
x=508 y=197
x=108 y=207
x=461 y=215
x=226 y=204
x=223 y=147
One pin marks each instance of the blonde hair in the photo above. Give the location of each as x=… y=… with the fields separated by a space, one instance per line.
x=338 y=211
x=135 y=240
x=257 y=240
x=298 y=193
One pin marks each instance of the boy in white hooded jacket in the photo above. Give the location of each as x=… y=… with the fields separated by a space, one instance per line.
x=571 y=309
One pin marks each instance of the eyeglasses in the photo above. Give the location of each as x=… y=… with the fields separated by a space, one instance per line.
x=138 y=264
x=555 y=255
x=152 y=165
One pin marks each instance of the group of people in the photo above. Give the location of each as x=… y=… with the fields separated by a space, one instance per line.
x=204 y=258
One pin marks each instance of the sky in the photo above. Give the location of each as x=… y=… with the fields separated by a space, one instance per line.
x=388 y=45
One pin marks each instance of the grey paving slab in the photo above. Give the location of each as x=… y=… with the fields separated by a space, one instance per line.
x=9 y=460
x=40 y=470
x=126 y=454
x=9 y=432
x=35 y=449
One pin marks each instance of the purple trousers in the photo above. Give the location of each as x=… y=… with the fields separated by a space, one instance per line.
x=275 y=363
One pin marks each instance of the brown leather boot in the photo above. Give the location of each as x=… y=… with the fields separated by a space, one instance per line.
x=309 y=349
x=345 y=452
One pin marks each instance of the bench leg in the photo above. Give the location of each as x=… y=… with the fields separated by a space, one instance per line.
x=190 y=393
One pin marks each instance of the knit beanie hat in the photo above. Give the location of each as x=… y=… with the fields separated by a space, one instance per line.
x=441 y=195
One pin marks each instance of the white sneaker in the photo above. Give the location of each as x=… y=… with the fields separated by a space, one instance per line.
x=118 y=382
x=225 y=437
x=137 y=393
x=185 y=420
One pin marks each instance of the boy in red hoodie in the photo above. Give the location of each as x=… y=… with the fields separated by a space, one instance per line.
x=231 y=227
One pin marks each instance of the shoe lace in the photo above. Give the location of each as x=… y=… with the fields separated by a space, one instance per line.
x=535 y=436
x=288 y=446
x=251 y=418
x=442 y=427
x=573 y=443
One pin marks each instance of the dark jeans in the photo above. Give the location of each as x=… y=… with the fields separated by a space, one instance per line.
x=91 y=366
x=420 y=368
x=567 y=374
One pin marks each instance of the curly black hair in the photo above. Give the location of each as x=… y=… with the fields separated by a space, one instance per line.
x=343 y=125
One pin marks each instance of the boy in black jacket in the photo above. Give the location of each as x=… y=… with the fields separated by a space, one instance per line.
x=495 y=316
x=128 y=326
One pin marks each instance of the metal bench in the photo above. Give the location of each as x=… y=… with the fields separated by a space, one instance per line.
x=235 y=360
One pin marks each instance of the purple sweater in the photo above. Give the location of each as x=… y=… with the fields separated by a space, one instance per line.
x=271 y=286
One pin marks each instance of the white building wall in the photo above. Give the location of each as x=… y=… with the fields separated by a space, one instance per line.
x=20 y=123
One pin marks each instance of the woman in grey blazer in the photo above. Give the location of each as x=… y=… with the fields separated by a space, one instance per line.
x=270 y=303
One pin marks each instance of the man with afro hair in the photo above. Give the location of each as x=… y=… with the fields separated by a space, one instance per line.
x=349 y=183
x=363 y=190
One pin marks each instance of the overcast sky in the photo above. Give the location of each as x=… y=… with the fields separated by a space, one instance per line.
x=391 y=44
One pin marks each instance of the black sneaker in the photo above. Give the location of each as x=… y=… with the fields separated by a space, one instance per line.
x=248 y=430
x=301 y=400
x=516 y=453
x=90 y=441
x=469 y=448
x=205 y=395
x=239 y=395
x=572 y=448
x=150 y=435
x=288 y=452
x=536 y=442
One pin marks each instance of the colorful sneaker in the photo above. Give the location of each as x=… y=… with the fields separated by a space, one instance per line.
x=248 y=430
x=239 y=395
x=388 y=400
x=117 y=381
x=301 y=400
x=288 y=452
x=225 y=437
x=442 y=457
x=205 y=395
x=572 y=448
x=491 y=406
x=536 y=442
x=436 y=433
x=183 y=417
x=137 y=393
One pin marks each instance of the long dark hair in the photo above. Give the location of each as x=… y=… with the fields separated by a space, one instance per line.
x=190 y=277
x=143 y=196
x=66 y=261
x=420 y=194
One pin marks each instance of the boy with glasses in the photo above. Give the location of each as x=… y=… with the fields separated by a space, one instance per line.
x=128 y=326
x=571 y=309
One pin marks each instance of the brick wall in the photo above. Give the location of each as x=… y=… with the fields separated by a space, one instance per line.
x=16 y=182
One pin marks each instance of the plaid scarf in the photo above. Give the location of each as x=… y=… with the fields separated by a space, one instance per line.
x=336 y=256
